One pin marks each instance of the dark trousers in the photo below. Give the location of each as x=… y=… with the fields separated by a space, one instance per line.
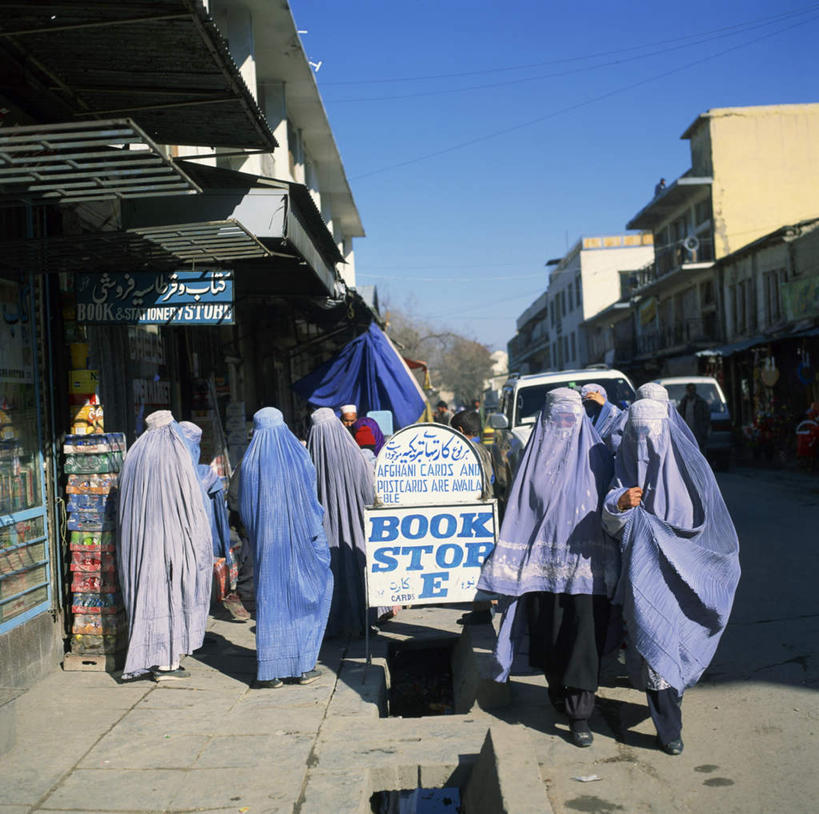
x=665 y=707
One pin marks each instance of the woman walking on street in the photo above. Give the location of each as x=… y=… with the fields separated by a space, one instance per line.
x=553 y=563
x=283 y=518
x=680 y=561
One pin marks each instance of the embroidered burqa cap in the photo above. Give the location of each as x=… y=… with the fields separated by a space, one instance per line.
x=164 y=548
x=345 y=487
x=283 y=518
x=655 y=391
x=680 y=547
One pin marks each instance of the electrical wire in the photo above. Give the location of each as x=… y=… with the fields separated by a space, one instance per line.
x=569 y=108
x=563 y=60
x=557 y=74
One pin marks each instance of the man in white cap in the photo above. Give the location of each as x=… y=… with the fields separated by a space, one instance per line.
x=349 y=415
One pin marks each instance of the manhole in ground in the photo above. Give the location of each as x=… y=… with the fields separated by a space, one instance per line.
x=421 y=678
x=417 y=801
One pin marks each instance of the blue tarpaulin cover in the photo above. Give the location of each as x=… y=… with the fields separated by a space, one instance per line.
x=370 y=373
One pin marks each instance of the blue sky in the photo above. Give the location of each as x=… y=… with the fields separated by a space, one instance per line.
x=481 y=138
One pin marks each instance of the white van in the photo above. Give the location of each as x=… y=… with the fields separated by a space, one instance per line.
x=523 y=398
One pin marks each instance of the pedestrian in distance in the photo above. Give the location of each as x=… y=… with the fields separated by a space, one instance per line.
x=349 y=415
x=345 y=487
x=553 y=563
x=603 y=414
x=164 y=551
x=697 y=414
x=680 y=561
x=442 y=413
x=284 y=521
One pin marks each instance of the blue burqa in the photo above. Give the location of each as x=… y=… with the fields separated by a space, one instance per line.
x=213 y=493
x=680 y=548
x=345 y=487
x=551 y=538
x=164 y=548
x=283 y=518
x=604 y=417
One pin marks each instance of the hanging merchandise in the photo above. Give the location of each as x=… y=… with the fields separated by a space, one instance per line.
x=804 y=370
x=770 y=373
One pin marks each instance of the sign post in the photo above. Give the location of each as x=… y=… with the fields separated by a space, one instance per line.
x=430 y=529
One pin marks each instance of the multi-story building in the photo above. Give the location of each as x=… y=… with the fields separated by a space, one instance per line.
x=582 y=283
x=752 y=170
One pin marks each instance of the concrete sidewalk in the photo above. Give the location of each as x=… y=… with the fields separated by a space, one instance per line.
x=211 y=743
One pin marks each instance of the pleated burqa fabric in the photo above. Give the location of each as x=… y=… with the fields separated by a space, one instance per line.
x=680 y=548
x=164 y=548
x=345 y=487
x=551 y=540
x=656 y=392
x=283 y=518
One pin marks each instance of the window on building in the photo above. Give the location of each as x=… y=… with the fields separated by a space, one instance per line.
x=702 y=211
x=565 y=349
x=569 y=297
x=563 y=302
x=707 y=293
x=574 y=347
x=577 y=292
x=772 y=282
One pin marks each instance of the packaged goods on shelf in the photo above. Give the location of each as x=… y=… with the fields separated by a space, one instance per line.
x=102 y=505
x=110 y=602
x=101 y=582
x=91 y=522
x=93 y=561
x=94 y=444
x=97 y=484
x=94 y=540
x=90 y=645
x=93 y=463
x=97 y=624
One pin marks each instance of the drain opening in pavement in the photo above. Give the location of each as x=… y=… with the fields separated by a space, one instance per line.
x=417 y=801
x=421 y=678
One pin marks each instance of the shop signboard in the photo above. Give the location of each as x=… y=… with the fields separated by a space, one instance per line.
x=800 y=298
x=429 y=531
x=182 y=297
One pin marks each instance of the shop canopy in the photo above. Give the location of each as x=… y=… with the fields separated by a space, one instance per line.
x=370 y=373
x=162 y=63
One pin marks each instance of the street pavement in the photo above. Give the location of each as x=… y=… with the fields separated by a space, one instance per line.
x=211 y=743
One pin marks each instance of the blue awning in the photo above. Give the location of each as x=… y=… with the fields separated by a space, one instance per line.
x=370 y=373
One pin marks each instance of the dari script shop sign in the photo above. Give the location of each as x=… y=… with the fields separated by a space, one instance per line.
x=200 y=297
x=429 y=532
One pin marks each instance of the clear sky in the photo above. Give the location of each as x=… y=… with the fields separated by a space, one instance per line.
x=482 y=138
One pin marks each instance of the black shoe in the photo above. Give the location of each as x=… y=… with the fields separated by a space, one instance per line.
x=269 y=684
x=310 y=676
x=581 y=734
x=674 y=747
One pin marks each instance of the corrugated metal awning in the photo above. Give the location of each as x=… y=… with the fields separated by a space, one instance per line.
x=163 y=63
x=206 y=242
x=85 y=161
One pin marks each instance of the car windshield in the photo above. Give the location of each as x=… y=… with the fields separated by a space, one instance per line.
x=531 y=399
x=708 y=390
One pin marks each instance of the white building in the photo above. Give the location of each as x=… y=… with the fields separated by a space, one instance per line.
x=582 y=283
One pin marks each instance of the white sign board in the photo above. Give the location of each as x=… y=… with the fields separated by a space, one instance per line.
x=427 y=463
x=422 y=555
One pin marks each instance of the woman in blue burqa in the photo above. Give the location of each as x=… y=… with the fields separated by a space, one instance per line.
x=213 y=494
x=283 y=518
x=345 y=487
x=164 y=551
x=603 y=414
x=680 y=561
x=553 y=564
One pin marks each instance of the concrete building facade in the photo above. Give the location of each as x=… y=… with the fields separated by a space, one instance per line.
x=582 y=283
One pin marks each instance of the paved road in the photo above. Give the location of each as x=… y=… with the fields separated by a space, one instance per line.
x=751 y=727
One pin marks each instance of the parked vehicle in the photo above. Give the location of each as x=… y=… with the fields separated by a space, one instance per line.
x=719 y=445
x=523 y=397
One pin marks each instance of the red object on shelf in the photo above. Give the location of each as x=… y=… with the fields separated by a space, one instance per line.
x=807 y=438
x=93 y=560
x=104 y=582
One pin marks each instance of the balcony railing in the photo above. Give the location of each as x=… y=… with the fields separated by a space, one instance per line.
x=670 y=258
x=699 y=329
